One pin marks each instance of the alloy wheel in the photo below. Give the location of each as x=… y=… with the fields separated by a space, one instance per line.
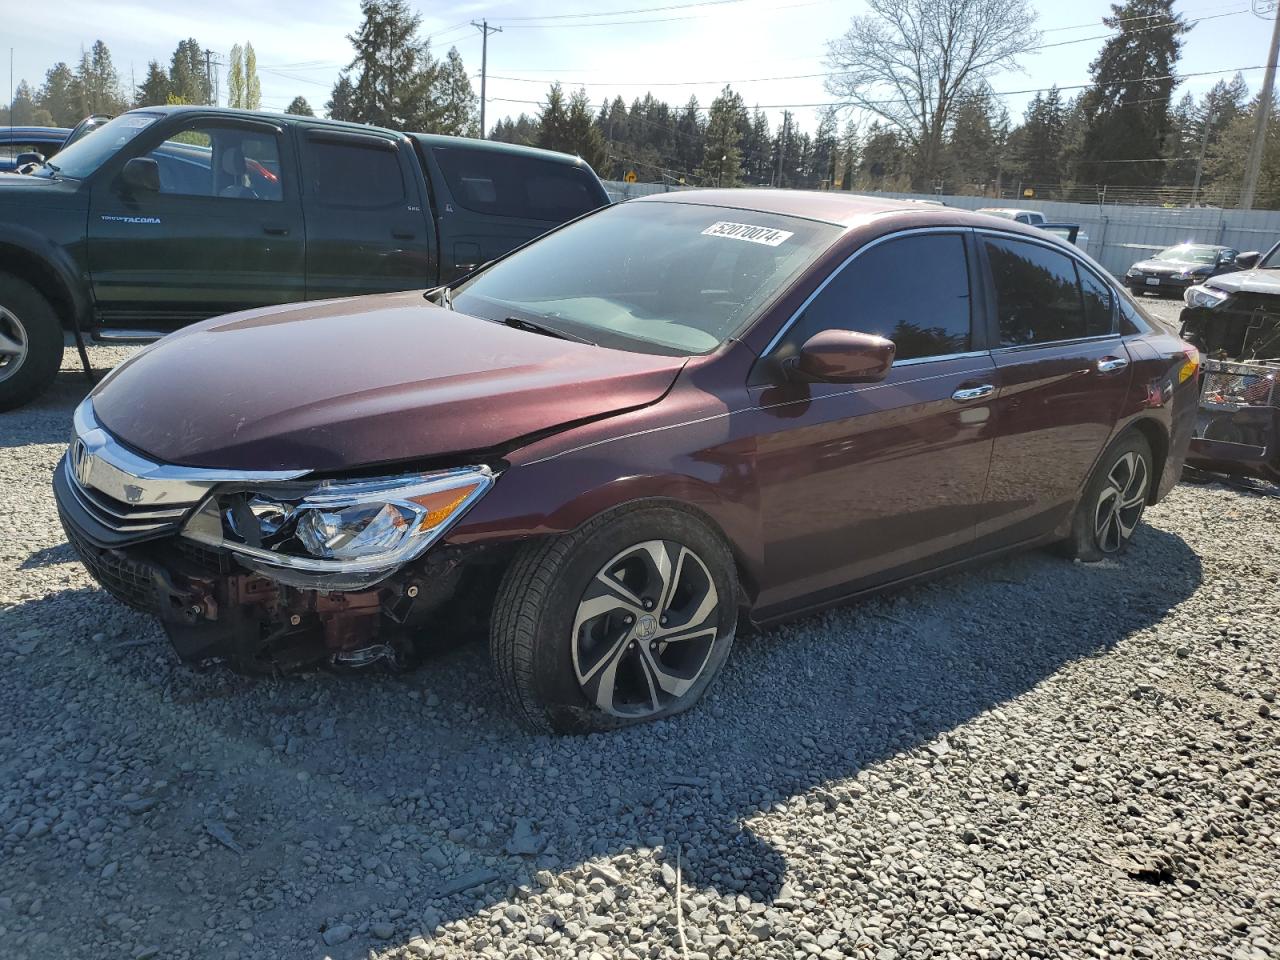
x=645 y=629
x=1121 y=502
x=13 y=343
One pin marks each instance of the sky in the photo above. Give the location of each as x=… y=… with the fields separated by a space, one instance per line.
x=301 y=45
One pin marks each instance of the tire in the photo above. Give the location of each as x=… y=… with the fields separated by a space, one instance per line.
x=1114 y=499
x=565 y=654
x=30 y=342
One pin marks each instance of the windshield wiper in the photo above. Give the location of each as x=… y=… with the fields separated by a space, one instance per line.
x=519 y=323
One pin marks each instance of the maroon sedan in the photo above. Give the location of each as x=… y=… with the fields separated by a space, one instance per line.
x=624 y=441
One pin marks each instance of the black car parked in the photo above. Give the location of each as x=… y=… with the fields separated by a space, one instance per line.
x=1181 y=266
x=168 y=215
x=19 y=145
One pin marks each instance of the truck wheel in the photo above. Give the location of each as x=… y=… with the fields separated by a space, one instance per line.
x=30 y=342
x=626 y=619
x=1113 y=502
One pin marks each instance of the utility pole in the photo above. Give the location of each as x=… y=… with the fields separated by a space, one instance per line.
x=208 y=74
x=1204 y=146
x=1260 y=124
x=485 y=30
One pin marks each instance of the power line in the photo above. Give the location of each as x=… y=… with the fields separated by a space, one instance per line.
x=814 y=76
x=994 y=93
x=619 y=13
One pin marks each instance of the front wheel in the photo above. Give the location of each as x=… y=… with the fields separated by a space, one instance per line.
x=626 y=619
x=1114 y=500
x=30 y=342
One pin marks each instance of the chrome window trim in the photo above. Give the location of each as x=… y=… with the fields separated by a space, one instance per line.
x=940 y=357
x=1015 y=347
x=911 y=231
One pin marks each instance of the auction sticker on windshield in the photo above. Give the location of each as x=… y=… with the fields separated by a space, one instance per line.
x=745 y=231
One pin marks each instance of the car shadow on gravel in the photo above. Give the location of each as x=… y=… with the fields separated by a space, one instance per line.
x=424 y=784
x=47 y=419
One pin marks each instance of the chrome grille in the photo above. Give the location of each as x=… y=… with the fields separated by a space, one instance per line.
x=124 y=518
x=134 y=497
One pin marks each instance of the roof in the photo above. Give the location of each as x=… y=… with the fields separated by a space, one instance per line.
x=828 y=206
x=45 y=133
x=496 y=146
x=266 y=115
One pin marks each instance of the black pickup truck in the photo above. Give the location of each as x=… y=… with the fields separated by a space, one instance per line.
x=168 y=215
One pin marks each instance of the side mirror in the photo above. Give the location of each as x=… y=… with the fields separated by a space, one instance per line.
x=1247 y=261
x=141 y=174
x=31 y=156
x=844 y=356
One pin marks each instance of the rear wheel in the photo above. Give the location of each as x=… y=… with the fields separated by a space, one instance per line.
x=1114 y=500
x=30 y=342
x=624 y=620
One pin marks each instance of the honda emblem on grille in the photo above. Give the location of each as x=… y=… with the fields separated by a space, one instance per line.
x=133 y=493
x=81 y=462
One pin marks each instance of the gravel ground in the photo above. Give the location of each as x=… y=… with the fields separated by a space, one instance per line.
x=1035 y=759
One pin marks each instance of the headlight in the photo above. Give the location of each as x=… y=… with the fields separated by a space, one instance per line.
x=1206 y=298
x=1134 y=272
x=337 y=533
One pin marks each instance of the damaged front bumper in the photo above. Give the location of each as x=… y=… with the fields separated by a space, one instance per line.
x=125 y=516
x=1238 y=422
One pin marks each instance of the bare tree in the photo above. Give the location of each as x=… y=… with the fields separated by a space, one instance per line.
x=910 y=62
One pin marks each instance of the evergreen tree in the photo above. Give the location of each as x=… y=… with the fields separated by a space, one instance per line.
x=341 y=105
x=721 y=155
x=394 y=71
x=23 y=110
x=299 y=107
x=1225 y=165
x=553 y=122
x=235 y=79
x=1128 y=113
x=584 y=136
x=1041 y=142
x=252 y=85
x=849 y=153
x=58 y=96
x=522 y=130
x=458 y=106
x=188 y=74
x=97 y=84
x=690 y=134
x=822 y=164
x=155 y=87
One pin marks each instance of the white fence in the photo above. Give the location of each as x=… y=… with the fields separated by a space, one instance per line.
x=1118 y=236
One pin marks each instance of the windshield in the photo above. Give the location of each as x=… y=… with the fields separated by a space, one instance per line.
x=673 y=278
x=1189 y=253
x=84 y=156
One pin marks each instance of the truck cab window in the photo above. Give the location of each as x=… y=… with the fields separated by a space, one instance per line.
x=343 y=173
x=219 y=161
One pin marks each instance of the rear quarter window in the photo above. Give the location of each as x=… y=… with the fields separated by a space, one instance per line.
x=509 y=185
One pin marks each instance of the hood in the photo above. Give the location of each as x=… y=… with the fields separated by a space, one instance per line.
x=348 y=383
x=1247 y=281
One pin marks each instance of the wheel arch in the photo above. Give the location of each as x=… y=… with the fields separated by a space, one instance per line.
x=731 y=522
x=23 y=257
x=1158 y=438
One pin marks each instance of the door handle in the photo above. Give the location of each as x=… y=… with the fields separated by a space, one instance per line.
x=403 y=234
x=1112 y=364
x=969 y=394
x=275 y=230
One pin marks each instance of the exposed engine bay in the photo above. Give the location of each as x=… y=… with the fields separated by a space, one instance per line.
x=1238 y=423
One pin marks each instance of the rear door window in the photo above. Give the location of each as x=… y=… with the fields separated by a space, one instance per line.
x=1038 y=298
x=352 y=173
x=510 y=185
